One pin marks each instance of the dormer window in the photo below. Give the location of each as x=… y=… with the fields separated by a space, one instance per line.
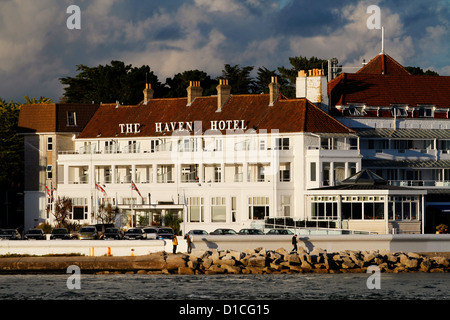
x=426 y=111
x=71 y=118
x=354 y=110
x=398 y=111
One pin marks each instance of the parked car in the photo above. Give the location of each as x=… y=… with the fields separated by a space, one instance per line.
x=10 y=234
x=280 y=231
x=150 y=232
x=34 y=234
x=195 y=232
x=164 y=233
x=60 y=234
x=223 y=231
x=101 y=228
x=88 y=233
x=134 y=234
x=250 y=231
x=112 y=233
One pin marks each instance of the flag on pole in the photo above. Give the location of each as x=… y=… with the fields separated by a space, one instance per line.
x=133 y=187
x=48 y=191
x=51 y=197
x=99 y=187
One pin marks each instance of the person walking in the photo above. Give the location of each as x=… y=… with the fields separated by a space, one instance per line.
x=294 y=243
x=189 y=243
x=175 y=243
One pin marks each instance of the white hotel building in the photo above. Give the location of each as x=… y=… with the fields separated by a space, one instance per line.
x=225 y=161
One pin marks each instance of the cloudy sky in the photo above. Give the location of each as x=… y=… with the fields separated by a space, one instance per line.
x=171 y=36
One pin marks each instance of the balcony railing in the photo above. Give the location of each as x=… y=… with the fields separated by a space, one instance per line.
x=419 y=183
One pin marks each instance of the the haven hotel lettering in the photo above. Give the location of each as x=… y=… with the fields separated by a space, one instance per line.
x=189 y=125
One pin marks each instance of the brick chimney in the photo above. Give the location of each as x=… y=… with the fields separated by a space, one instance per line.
x=193 y=91
x=300 y=84
x=223 y=93
x=313 y=87
x=274 y=90
x=148 y=92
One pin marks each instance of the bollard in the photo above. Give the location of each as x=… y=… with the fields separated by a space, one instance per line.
x=109 y=251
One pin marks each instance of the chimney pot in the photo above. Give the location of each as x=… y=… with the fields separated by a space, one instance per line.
x=148 y=92
x=223 y=93
x=274 y=91
x=193 y=91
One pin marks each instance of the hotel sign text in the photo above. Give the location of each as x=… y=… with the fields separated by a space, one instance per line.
x=189 y=125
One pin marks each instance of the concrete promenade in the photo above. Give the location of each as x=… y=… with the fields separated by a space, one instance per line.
x=332 y=243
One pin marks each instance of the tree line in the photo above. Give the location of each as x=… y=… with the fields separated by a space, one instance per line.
x=124 y=83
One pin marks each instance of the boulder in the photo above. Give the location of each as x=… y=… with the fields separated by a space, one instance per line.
x=425 y=265
x=214 y=269
x=175 y=261
x=441 y=262
x=410 y=263
x=236 y=255
x=193 y=264
x=282 y=251
x=347 y=263
x=207 y=263
x=231 y=269
x=227 y=260
x=306 y=266
x=257 y=262
x=414 y=255
x=199 y=254
x=293 y=258
x=185 y=270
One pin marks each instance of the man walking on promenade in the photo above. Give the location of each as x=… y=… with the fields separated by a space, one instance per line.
x=175 y=243
x=294 y=242
x=189 y=245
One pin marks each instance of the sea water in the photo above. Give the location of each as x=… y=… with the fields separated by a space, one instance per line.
x=353 y=286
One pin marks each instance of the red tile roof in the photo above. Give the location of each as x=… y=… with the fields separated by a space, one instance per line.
x=286 y=115
x=37 y=118
x=384 y=64
x=386 y=90
x=52 y=117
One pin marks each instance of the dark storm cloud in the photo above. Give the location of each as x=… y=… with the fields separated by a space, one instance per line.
x=176 y=35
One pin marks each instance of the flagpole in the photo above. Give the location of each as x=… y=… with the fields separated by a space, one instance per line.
x=131 y=205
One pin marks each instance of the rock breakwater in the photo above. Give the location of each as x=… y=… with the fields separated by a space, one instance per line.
x=261 y=261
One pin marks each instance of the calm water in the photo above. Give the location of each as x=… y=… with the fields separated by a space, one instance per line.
x=410 y=286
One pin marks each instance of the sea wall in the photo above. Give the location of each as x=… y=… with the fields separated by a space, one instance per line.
x=82 y=247
x=249 y=261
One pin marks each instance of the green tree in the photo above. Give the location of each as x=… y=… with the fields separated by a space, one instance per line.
x=239 y=79
x=12 y=161
x=302 y=63
x=176 y=86
x=107 y=213
x=37 y=101
x=264 y=77
x=11 y=164
x=172 y=220
x=62 y=209
x=110 y=83
x=417 y=71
